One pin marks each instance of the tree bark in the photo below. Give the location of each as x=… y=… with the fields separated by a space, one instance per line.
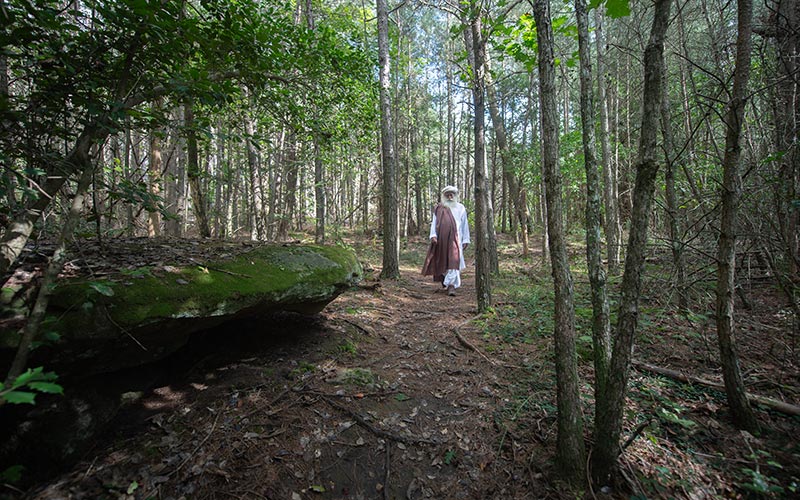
x=610 y=186
x=570 y=452
x=609 y=418
x=54 y=267
x=194 y=174
x=483 y=265
x=601 y=330
x=154 y=176
x=391 y=243
x=743 y=415
x=319 y=193
x=518 y=208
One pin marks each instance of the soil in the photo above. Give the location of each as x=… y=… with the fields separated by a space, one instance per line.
x=399 y=391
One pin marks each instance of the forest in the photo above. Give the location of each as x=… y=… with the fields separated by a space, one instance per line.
x=629 y=320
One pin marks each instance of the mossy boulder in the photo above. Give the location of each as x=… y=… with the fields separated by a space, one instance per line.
x=141 y=315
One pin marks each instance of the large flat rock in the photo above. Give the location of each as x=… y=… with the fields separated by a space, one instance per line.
x=141 y=315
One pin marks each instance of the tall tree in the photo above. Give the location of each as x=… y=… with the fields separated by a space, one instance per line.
x=726 y=251
x=194 y=173
x=608 y=421
x=610 y=186
x=517 y=206
x=391 y=222
x=570 y=452
x=483 y=265
x=601 y=330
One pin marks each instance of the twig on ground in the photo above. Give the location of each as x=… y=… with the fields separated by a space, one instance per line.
x=386 y=476
x=464 y=342
x=363 y=328
x=639 y=429
x=197 y=448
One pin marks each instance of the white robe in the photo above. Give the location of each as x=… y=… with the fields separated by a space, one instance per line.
x=453 y=276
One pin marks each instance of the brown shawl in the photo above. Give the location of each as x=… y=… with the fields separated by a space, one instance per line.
x=445 y=254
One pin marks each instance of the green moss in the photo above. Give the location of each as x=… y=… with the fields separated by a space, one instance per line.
x=270 y=274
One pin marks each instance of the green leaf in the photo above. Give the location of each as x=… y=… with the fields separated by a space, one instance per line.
x=46 y=387
x=618 y=8
x=317 y=488
x=671 y=417
x=132 y=487
x=449 y=456
x=13 y=474
x=401 y=397
x=102 y=288
x=20 y=397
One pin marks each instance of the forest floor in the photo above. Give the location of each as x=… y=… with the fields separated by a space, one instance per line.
x=398 y=391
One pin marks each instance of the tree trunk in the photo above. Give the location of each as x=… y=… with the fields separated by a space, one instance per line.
x=194 y=174
x=289 y=186
x=570 y=452
x=676 y=245
x=319 y=193
x=54 y=267
x=391 y=243
x=726 y=252
x=608 y=422
x=483 y=269
x=518 y=208
x=154 y=176
x=610 y=187
x=601 y=330
x=258 y=232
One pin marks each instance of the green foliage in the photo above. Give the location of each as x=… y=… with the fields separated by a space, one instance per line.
x=12 y=475
x=349 y=347
x=26 y=386
x=615 y=9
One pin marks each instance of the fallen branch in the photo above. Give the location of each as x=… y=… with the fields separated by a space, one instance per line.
x=464 y=342
x=774 y=404
x=363 y=328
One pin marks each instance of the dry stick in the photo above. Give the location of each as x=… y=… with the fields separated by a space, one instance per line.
x=213 y=428
x=641 y=427
x=774 y=404
x=386 y=477
x=56 y=264
x=378 y=432
x=359 y=327
x=466 y=344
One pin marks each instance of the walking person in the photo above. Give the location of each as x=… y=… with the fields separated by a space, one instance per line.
x=449 y=238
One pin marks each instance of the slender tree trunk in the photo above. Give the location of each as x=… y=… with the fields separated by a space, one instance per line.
x=194 y=174
x=483 y=269
x=319 y=193
x=608 y=422
x=673 y=213
x=289 y=186
x=743 y=415
x=570 y=452
x=519 y=209
x=391 y=233
x=258 y=232
x=154 y=176
x=54 y=267
x=601 y=330
x=610 y=188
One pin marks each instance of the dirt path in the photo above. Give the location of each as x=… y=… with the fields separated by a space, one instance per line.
x=376 y=399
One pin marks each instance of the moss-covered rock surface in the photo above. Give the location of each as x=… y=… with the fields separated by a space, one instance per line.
x=143 y=313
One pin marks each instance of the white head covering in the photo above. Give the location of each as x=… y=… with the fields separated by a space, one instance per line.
x=448 y=189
